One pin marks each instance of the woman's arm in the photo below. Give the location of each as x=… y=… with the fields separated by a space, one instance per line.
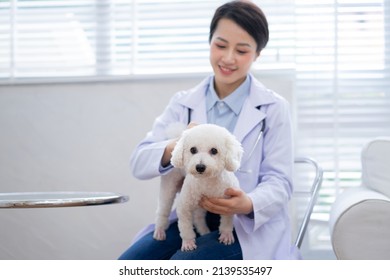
x=153 y=153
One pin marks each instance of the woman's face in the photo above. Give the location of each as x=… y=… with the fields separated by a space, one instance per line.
x=232 y=52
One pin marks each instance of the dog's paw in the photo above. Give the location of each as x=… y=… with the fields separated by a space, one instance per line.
x=159 y=234
x=226 y=238
x=188 y=245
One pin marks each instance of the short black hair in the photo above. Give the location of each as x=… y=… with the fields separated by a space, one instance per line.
x=248 y=16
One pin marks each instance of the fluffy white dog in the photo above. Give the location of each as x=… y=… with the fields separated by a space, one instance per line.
x=205 y=157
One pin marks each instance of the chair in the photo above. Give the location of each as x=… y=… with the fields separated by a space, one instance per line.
x=307 y=183
x=360 y=217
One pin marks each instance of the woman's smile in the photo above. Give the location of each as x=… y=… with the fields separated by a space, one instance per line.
x=226 y=70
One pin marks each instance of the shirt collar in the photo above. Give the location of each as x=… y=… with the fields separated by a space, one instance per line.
x=235 y=100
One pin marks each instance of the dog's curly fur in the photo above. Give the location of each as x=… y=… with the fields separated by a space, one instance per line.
x=205 y=158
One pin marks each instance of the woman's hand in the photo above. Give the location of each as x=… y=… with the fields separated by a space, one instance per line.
x=166 y=158
x=191 y=125
x=237 y=203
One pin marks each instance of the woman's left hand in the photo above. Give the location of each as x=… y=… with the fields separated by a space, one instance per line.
x=236 y=203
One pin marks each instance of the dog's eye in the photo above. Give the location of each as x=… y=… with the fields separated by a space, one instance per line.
x=193 y=150
x=213 y=151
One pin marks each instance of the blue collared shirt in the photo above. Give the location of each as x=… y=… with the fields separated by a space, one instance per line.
x=225 y=112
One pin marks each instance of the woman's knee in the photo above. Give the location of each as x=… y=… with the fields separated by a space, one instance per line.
x=147 y=248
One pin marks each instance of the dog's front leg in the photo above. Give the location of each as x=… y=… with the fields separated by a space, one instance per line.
x=169 y=186
x=226 y=230
x=187 y=233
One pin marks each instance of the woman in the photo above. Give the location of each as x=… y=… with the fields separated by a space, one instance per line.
x=260 y=120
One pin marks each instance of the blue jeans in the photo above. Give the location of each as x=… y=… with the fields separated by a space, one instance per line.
x=208 y=247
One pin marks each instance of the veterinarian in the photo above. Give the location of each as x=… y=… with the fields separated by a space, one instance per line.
x=259 y=118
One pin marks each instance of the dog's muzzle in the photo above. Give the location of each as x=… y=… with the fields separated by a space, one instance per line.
x=200 y=168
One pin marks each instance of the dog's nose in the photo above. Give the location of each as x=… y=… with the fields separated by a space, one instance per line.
x=200 y=168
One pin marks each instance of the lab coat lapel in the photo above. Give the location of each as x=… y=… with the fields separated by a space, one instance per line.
x=250 y=117
x=195 y=101
x=198 y=112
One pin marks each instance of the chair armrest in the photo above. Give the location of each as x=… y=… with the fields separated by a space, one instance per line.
x=360 y=226
x=312 y=193
x=348 y=199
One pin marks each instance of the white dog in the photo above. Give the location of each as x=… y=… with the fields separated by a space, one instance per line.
x=205 y=157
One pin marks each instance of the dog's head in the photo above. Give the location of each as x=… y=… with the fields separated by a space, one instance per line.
x=207 y=150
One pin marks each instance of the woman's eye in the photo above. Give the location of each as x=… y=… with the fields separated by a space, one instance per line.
x=193 y=150
x=220 y=46
x=213 y=151
x=242 y=52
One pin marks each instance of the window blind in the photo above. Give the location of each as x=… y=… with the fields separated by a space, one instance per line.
x=172 y=36
x=89 y=38
x=342 y=86
x=48 y=39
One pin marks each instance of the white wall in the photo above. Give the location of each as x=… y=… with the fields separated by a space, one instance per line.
x=64 y=137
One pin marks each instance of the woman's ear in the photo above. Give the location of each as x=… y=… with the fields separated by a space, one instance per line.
x=233 y=154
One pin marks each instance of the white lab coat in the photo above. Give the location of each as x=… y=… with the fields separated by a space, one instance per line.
x=267 y=235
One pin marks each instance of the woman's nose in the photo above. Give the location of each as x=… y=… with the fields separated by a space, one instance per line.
x=229 y=57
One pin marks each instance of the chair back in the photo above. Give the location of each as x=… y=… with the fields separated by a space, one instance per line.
x=307 y=182
x=376 y=165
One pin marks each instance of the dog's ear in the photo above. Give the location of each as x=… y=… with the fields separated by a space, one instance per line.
x=177 y=159
x=233 y=153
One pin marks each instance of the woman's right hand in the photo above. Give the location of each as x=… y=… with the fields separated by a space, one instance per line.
x=191 y=125
x=166 y=158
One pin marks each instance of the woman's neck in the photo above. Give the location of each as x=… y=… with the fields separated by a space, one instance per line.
x=224 y=90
